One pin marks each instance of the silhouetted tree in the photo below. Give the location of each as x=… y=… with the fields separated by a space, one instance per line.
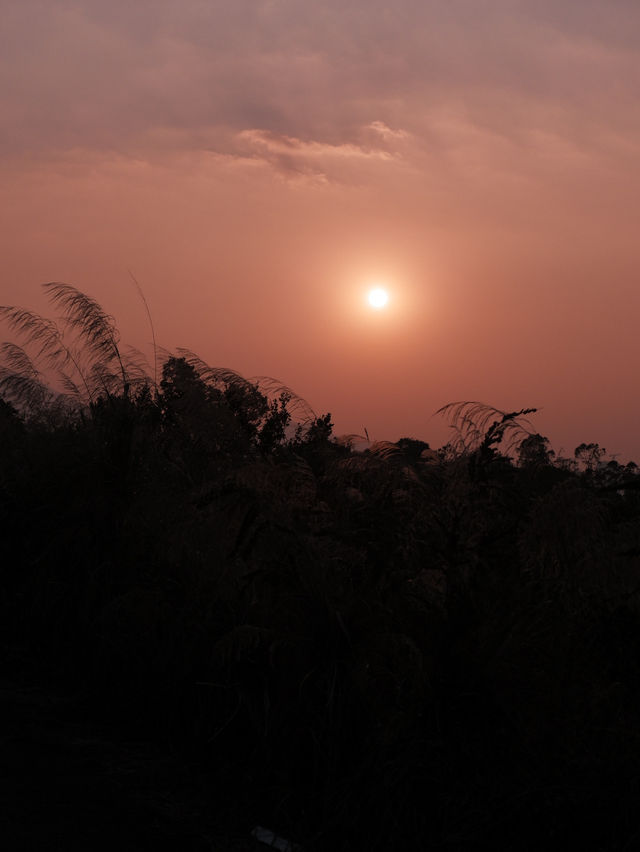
x=589 y=455
x=320 y=430
x=272 y=432
x=534 y=451
x=412 y=448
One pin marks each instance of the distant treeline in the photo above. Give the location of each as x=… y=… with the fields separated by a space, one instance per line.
x=401 y=648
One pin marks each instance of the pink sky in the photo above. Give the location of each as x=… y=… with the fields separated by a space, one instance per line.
x=258 y=165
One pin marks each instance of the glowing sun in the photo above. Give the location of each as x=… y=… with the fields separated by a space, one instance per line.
x=378 y=298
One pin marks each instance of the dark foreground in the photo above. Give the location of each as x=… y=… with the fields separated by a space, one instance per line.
x=68 y=781
x=211 y=624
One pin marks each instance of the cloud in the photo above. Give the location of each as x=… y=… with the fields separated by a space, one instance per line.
x=295 y=157
x=385 y=132
x=129 y=77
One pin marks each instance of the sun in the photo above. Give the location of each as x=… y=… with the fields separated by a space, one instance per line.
x=378 y=298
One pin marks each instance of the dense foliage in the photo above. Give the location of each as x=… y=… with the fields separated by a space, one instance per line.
x=390 y=649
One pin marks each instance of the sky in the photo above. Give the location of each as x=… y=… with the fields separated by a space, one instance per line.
x=258 y=165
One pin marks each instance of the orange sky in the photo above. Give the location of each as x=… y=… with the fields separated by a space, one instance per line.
x=257 y=164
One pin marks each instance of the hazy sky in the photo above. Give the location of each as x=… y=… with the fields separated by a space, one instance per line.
x=258 y=164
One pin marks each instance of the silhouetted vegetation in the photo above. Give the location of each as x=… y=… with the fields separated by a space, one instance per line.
x=401 y=648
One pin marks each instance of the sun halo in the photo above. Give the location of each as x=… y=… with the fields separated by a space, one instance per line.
x=378 y=298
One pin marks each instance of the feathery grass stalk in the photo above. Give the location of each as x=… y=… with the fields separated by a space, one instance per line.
x=273 y=389
x=46 y=335
x=153 y=331
x=480 y=426
x=21 y=379
x=84 y=315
